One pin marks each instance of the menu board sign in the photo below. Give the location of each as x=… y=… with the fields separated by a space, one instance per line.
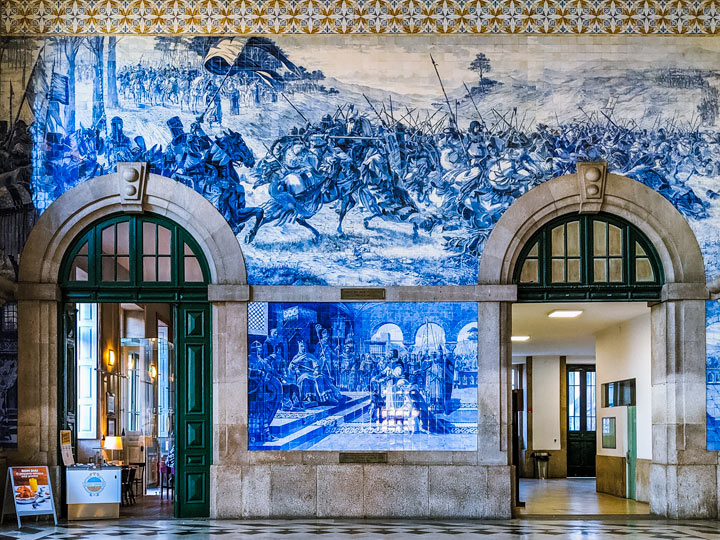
x=66 y=447
x=31 y=492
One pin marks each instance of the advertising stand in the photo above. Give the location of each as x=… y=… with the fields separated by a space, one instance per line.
x=31 y=493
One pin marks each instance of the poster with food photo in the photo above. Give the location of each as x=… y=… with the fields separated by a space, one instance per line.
x=31 y=490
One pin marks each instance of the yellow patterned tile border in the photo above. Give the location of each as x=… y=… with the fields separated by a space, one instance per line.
x=42 y=17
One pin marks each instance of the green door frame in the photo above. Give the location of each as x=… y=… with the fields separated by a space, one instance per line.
x=581 y=441
x=192 y=336
x=631 y=454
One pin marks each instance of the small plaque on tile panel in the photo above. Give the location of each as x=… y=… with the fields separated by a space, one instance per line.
x=362 y=293
x=363 y=457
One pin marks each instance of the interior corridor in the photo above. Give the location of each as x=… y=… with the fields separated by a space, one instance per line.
x=573 y=497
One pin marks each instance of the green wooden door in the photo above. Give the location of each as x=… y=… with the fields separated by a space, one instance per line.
x=149 y=259
x=631 y=455
x=581 y=446
x=194 y=411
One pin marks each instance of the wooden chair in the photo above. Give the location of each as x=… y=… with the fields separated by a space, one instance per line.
x=167 y=480
x=139 y=478
x=127 y=477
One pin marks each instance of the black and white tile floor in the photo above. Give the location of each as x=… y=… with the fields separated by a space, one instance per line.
x=371 y=529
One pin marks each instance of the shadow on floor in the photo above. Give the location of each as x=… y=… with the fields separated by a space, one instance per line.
x=148 y=507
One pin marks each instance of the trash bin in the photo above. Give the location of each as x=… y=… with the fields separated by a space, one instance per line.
x=541 y=463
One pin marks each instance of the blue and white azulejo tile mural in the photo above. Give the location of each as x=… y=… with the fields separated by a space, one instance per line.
x=362 y=376
x=713 y=375
x=363 y=160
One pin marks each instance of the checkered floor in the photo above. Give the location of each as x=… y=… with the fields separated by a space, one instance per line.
x=327 y=529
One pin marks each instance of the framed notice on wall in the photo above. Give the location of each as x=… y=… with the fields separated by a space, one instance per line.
x=30 y=491
x=608 y=432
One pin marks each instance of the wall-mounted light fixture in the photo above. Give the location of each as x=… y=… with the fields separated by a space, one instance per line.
x=153 y=371
x=111 y=358
x=519 y=338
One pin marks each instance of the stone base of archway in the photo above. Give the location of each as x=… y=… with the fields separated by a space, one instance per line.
x=282 y=490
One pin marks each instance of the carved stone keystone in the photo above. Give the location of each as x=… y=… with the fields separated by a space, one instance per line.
x=132 y=179
x=591 y=178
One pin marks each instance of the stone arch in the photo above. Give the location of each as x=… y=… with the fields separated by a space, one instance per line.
x=677 y=324
x=101 y=196
x=430 y=324
x=378 y=326
x=643 y=207
x=130 y=190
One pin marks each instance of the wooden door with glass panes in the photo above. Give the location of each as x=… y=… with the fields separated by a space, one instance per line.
x=581 y=423
x=146 y=258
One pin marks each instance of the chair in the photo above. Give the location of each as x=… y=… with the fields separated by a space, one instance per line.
x=124 y=476
x=139 y=478
x=127 y=480
x=167 y=479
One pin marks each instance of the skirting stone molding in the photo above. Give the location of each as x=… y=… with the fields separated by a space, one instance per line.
x=361 y=491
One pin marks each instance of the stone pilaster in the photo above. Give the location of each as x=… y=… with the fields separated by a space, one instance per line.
x=683 y=474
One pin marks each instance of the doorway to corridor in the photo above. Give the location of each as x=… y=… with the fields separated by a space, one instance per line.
x=582 y=326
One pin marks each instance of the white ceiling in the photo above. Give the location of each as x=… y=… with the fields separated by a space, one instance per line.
x=571 y=337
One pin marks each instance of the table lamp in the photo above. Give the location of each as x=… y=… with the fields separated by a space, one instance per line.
x=112 y=444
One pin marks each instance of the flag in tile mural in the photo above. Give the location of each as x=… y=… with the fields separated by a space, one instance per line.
x=255 y=56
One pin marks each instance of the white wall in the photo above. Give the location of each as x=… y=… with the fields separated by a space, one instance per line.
x=623 y=352
x=546 y=402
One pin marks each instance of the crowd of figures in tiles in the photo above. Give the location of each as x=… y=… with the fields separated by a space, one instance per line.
x=342 y=377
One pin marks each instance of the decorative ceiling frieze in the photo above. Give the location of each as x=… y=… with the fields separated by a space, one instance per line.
x=188 y=17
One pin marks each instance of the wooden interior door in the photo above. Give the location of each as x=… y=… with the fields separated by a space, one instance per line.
x=194 y=411
x=581 y=446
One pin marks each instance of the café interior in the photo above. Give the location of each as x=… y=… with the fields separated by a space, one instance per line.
x=125 y=399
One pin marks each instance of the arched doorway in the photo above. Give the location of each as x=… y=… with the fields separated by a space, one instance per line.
x=467 y=339
x=577 y=278
x=430 y=337
x=391 y=336
x=201 y=240
x=141 y=261
x=677 y=323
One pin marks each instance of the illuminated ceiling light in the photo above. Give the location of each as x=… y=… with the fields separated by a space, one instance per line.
x=519 y=338
x=565 y=313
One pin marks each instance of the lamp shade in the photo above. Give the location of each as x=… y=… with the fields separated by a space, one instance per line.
x=113 y=443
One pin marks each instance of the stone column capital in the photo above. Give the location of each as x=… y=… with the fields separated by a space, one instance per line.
x=673 y=292
x=228 y=292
